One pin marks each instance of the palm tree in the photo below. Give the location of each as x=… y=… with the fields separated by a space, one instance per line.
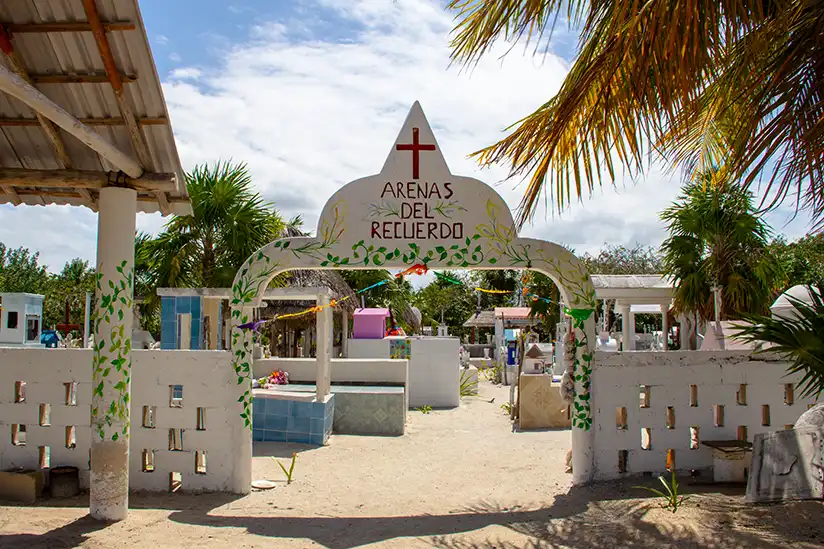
x=229 y=222
x=708 y=82
x=716 y=238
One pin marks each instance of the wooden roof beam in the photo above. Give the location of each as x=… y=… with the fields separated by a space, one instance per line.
x=48 y=126
x=83 y=179
x=18 y=88
x=66 y=26
x=79 y=78
x=148 y=121
x=135 y=135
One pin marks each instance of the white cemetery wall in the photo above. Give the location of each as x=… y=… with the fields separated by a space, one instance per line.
x=434 y=373
x=183 y=417
x=434 y=377
x=646 y=405
x=368 y=348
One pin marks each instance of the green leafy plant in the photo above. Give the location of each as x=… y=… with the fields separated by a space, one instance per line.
x=797 y=338
x=507 y=408
x=671 y=500
x=425 y=409
x=469 y=384
x=291 y=470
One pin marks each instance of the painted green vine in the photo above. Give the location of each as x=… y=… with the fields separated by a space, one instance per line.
x=112 y=360
x=582 y=415
x=492 y=243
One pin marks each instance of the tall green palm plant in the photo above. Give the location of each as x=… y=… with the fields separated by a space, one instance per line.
x=799 y=338
x=229 y=222
x=716 y=238
x=705 y=82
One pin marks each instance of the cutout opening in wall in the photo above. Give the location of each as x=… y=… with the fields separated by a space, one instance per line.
x=693 y=396
x=695 y=439
x=646 y=438
x=201 y=419
x=19 y=392
x=176 y=440
x=175 y=482
x=670 y=417
x=621 y=418
x=149 y=416
x=670 y=460
x=176 y=396
x=645 y=396
x=623 y=461
x=45 y=415
x=71 y=437
x=718 y=415
x=45 y=457
x=18 y=434
x=741 y=395
x=148 y=461
x=742 y=432
x=200 y=462
x=71 y=393
x=765 y=415
x=789 y=394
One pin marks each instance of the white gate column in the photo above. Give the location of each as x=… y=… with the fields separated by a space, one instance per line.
x=583 y=440
x=243 y=339
x=626 y=326
x=111 y=377
x=323 y=354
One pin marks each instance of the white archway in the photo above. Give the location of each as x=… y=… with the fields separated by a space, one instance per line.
x=416 y=212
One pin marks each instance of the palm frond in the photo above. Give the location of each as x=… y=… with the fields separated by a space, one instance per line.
x=799 y=338
x=705 y=83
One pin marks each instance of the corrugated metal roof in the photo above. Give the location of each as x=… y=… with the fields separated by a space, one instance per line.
x=76 y=53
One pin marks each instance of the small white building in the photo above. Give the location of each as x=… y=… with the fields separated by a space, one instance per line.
x=21 y=319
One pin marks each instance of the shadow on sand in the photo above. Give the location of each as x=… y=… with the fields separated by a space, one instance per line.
x=600 y=516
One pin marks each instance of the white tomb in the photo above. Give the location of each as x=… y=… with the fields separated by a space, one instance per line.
x=21 y=319
x=434 y=366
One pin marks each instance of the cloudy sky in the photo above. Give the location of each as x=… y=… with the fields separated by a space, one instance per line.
x=311 y=95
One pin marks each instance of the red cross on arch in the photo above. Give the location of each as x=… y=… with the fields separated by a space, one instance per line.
x=416 y=147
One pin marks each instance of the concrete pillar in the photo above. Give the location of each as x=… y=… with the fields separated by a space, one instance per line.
x=345 y=335
x=242 y=478
x=626 y=337
x=583 y=440
x=323 y=356
x=211 y=309
x=87 y=322
x=631 y=330
x=665 y=325
x=111 y=373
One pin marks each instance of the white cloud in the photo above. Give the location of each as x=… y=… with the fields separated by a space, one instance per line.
x=175 y=57
x=310 y=112
x=162 y=39
x=185 y=73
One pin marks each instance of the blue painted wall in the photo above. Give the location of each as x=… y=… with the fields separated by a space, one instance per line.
x=170 y=308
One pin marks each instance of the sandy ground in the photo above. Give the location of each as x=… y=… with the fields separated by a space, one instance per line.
x=459 y=479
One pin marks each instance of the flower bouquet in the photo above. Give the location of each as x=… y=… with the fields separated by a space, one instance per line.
x=278 y=377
